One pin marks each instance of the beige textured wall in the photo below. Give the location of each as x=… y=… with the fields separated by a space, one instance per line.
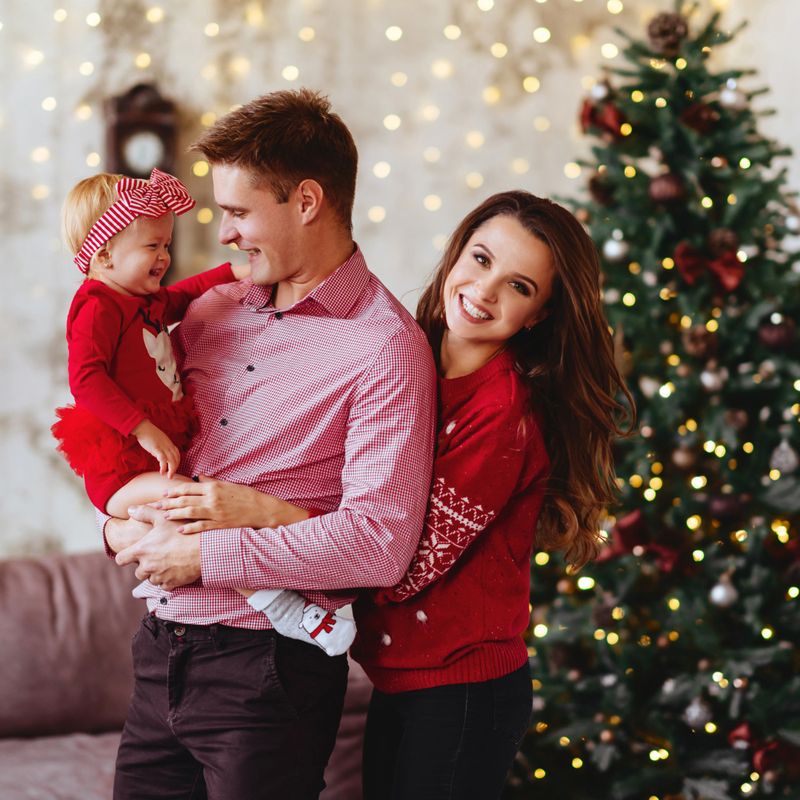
x=459 y=98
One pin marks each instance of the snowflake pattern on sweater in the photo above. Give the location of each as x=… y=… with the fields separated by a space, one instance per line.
x=451 y=525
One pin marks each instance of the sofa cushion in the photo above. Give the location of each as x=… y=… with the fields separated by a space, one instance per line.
x=58 y=767
x=65 y=623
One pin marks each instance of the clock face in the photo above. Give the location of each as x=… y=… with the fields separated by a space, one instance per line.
x=142 y=151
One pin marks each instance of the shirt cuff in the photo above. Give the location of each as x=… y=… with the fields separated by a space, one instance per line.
x=102 y=520
x=222 y=559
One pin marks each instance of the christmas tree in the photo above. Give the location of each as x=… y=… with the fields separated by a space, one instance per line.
x=668 y=669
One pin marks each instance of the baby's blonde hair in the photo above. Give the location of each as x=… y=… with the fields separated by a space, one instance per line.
x=86 y=202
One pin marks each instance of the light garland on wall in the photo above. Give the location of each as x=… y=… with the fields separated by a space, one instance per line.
x=499 y=50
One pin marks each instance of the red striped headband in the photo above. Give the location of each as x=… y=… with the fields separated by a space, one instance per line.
x=152 y=198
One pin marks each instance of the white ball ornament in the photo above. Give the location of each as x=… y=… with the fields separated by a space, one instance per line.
x=615 y=250
x=792 y=223
x=599 y=91
x=697 y=713
x=724 y=593
x=784 y=458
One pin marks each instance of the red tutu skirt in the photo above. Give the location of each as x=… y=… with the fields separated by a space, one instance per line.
x=106 y=459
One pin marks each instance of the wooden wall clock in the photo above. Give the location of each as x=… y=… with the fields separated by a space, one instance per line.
x=141 y=132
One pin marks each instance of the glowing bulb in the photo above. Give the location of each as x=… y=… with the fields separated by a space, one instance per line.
x=142 y=60
x=432 y=202
x=200 y=168
x=40 y=154
x=681 y=63
x=205 y=215
x=520 y=166
x=49 y=103
x=542 y=35
x=394 y=33
x=637 y=96
x=572 y=169
x=541 y=558
x=93 y=19
x=60 y=14
x=376 y=214
x=86 y=68
x=93 y=160
x=491 y=95
x=290 y=73
x=614 y=6
x=306 y=34
x=211 y=30
x=441 y=68
x=452 y=32
x=381 y=169
x=431 y=154
x=609 y=50
x=531 y=84
x=399 y=79
x=154 y=14
x=540 y=631
x=541 y=124
x=474 y=180
x=499 y=50
x=475 y=139
x=585 y=583
x=391 y=122
x=485 y=5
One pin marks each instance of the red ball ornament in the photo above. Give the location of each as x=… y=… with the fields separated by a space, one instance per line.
x=700 y=117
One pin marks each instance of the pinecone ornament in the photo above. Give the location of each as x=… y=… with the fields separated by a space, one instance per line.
x=666 y=32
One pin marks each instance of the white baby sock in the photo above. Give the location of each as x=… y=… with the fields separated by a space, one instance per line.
x=293 y=616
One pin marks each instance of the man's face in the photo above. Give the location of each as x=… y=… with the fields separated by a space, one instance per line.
x=257 y=224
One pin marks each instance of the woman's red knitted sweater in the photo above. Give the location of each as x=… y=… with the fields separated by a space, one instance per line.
x=459 y=613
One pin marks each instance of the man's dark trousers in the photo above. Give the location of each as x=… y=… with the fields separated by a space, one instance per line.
x=227 y=714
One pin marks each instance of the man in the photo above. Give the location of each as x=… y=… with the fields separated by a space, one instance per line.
x=312 y=384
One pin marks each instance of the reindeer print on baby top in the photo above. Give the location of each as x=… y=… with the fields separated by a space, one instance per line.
x=160 y=348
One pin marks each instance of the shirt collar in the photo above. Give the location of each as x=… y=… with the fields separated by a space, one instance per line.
x=337 y=294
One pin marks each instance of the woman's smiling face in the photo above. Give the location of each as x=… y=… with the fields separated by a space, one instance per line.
x=500 y=284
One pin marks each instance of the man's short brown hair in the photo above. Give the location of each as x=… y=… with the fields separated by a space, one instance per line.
x=286 y=137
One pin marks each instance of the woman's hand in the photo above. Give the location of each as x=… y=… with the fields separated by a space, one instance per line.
x=212 y=504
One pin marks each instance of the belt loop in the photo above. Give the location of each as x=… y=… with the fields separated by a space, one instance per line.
x=151 y=624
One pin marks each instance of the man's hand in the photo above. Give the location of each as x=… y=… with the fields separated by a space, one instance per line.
x=165 y=557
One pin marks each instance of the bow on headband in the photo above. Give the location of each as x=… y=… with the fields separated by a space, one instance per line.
x=691 y=263
x=152 y=198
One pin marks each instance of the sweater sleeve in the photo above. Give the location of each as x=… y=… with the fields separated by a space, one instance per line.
x=92 y=338
x=475 y=473
x=180 y=294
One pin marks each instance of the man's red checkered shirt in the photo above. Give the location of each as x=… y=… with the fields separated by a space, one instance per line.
x=329 y=404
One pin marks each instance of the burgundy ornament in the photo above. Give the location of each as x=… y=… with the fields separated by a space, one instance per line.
x=777 y=336
x=666 y=189
x=721 y=240
x=700 y=117
x=601 y=190
x=699 y=342
x=725 y=506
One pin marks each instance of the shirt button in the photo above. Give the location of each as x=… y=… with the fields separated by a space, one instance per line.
x=250 y=367
x=223 y=422
x=278 y=315
x=179 y=630
x=163 y=601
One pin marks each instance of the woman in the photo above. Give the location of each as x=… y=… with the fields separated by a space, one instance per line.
x=528 y=411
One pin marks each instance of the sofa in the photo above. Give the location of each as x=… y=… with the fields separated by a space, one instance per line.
x=65 y=681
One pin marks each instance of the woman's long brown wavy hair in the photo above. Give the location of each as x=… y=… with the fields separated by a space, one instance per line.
x=567 y=360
